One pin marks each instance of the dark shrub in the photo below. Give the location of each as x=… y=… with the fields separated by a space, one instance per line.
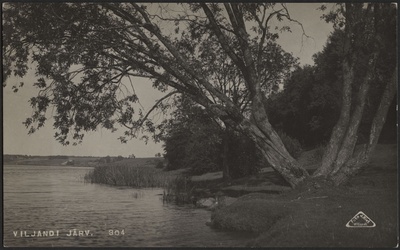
x=292 y=145
x=242 y=157
x=193 y=143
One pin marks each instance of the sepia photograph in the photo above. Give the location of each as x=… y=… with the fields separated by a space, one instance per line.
x=200 y=124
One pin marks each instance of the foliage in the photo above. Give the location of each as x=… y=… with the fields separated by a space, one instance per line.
x=191 y=139
x=175 y=150
x=88 y=56
x=242 y=156
x=373 y=28
x=194 y=140
x=308 y=107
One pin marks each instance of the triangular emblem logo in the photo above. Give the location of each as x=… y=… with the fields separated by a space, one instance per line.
x=360 y=220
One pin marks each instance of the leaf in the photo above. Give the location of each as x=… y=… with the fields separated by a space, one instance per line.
x=322 y=7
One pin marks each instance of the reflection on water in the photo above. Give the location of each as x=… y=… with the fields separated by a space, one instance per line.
x=45 y=198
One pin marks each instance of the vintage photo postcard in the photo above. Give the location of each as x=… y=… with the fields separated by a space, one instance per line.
x=267 y=124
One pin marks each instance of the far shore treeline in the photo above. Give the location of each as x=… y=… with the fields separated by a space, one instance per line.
x=59 y=160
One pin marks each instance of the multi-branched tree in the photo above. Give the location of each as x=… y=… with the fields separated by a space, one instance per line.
x=369 y=58
x=87 y=57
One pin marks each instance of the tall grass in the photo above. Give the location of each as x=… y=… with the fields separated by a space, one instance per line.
x=177 y=188
x=122 y=175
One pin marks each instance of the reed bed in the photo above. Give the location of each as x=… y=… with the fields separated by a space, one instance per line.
x=177 y=188
x=131 y=176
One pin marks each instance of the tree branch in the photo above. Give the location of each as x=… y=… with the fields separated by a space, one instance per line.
x=221 y=38
x=155 y=106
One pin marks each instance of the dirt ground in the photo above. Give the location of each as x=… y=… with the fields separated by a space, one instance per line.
x=316 y=216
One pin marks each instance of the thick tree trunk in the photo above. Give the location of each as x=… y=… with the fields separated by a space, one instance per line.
x=379 y=120
x=351 y=168
x=267 y=141
x=343 y=140
x=340 y=128
x=350 y=137
x=338 y=132
x=344 y=135
x=281 y=161
x=272 y=149
x=354 y=165
x=259 y=129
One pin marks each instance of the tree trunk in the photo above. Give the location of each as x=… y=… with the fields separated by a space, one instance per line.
x=350 y=137
x=340 y=128
x=381 y=114
x=259 y=129
x=354 y=165
x=225 y=149
x=281 y=161
x=267 y=141
x=343 y=140
x=350 y=168
x=272 y=149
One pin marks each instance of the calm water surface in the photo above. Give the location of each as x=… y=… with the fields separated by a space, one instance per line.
x=47 y=198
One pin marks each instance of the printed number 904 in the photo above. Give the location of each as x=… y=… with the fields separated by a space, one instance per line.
x=112 y=232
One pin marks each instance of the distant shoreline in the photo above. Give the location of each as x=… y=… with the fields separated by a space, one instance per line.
x=77 y=161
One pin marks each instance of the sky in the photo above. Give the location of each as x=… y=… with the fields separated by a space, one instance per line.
x=102 y=142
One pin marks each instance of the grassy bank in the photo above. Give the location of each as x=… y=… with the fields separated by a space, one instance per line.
x=314 y=218
x=316 y=214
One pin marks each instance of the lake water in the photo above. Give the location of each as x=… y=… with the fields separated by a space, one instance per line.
x=45 y=205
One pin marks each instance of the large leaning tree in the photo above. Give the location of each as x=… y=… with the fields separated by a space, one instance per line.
x=87 y=57
x=227 y=79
